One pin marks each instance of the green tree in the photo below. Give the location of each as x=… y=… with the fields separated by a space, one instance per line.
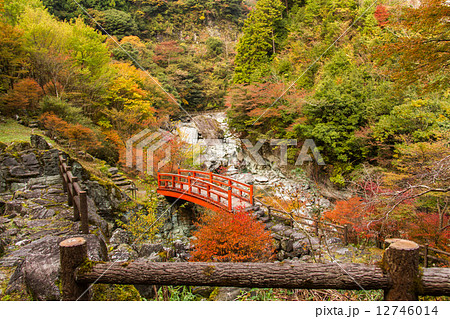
x=258 y=42
x=345 y=100
x=118 y=23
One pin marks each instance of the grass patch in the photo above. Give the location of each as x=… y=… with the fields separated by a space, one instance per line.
x=11 y=131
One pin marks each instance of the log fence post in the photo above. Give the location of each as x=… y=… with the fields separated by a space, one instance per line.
x=401 y=262
x=76 y=210
x=69 y=189
x=425 y=257
x=345 y=235
x=73 y=252
x=84 y=213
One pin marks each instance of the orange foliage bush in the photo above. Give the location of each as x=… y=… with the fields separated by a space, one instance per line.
x=78 y=135
x=231 y=237
x=23 y=98
x=364 y=220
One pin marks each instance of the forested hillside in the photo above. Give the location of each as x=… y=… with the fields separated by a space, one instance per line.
x=367 y=82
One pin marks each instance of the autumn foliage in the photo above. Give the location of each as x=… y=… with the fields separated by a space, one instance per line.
x=231 y=237
x=78 y=135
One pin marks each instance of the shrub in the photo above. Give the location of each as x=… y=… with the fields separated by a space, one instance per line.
x=142 y=224
x=231 y=237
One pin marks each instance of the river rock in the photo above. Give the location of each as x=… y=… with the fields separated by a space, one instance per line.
x=147 y=249
x=261 y=179
x=123 y=253
x=120 y=236
x=208 y=127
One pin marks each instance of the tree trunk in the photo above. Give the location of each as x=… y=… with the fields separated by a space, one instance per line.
x=401 y=262
x=257 y=275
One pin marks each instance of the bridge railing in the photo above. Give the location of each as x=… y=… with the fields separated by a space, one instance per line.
x=238 y=189
x=215 y=188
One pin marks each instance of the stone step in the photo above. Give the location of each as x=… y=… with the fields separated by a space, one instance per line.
x=119 y=179
x=123 y=183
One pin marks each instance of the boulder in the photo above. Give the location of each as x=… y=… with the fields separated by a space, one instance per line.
x=261 y=179
x=10 y=162
x=14 y=208
x=123 y=253
x=30 y=161
x=287 y=245
x=120 y=236
x=299 y=248
x=148 y=249
x=208 y=127
x=228 y=293
x=39 y=142
x=38 y=272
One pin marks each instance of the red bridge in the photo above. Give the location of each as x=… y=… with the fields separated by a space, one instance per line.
x=213 y=191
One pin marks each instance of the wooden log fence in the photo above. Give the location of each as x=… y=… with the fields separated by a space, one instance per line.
x=425 y=251
x=76 y=197
x=315 y=222
x=398 y=275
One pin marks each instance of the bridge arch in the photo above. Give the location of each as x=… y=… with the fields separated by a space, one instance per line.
x=213 y=191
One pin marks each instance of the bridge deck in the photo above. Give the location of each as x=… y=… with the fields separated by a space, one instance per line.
x=210 y=190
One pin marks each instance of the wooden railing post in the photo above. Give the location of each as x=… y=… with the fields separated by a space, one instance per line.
x=230 y=199
x=230 y=196
x=83 y=210
x=69 y=189
x=73 y=252
x=63 y=173
x=401 y=262
x=345 y=235
x=252 y=199
x=190 y=184
x=76 y=211
x=425 y=258
x=210 y=177
x=208 y=190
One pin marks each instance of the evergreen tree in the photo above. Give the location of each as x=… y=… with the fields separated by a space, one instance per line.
x=258 y=42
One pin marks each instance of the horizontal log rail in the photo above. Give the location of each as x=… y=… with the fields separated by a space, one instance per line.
x=76 y=197
x=207 y=187
x=425 y=253
x=398 y=275
x=315 y=222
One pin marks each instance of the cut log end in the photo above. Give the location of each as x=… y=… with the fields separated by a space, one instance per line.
x=73 y=242
x=402 y=244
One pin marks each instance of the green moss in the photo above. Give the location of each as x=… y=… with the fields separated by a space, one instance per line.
x=214 y=293
x=104 y=292
x=209 y=270
x=88 y=265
